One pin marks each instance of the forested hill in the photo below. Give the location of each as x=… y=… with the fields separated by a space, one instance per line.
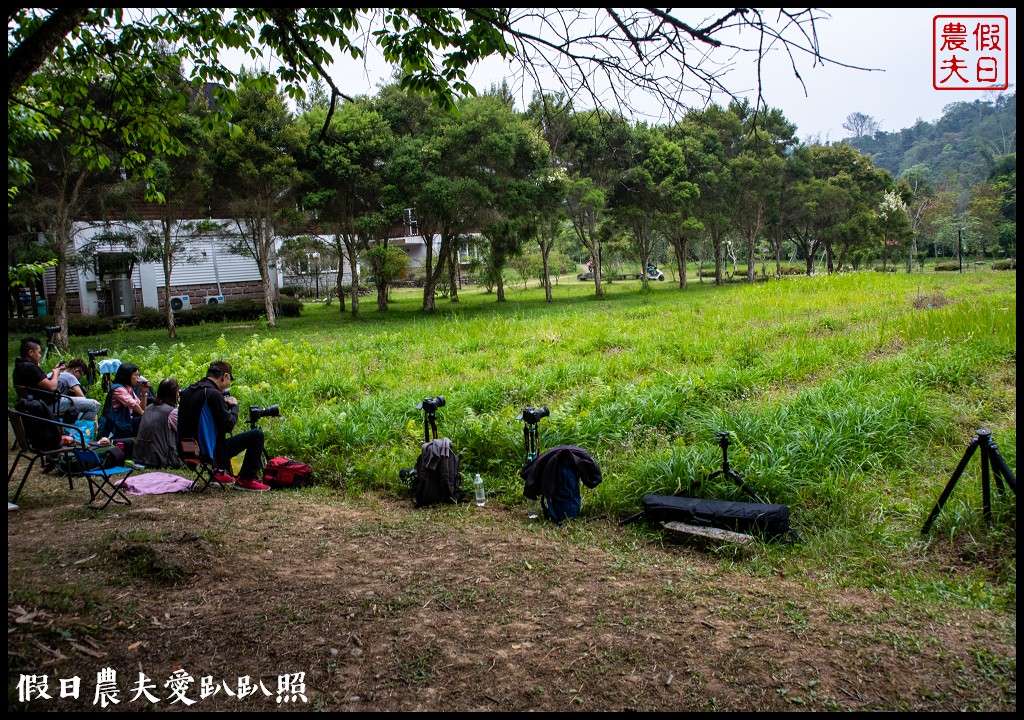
x=961 y=146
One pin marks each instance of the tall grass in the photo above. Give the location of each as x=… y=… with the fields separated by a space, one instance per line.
x=849 y=398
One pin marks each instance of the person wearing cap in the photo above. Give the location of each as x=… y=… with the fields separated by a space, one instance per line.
x=207 y=414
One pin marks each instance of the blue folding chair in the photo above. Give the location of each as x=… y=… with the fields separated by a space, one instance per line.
x=105 y=483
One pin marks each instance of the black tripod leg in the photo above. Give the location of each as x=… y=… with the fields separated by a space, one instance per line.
x=971 y=447
x=986 y=484
x=746 y=488
x=1000 y=469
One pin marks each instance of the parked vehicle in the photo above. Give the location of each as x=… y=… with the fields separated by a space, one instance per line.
x=653 y=273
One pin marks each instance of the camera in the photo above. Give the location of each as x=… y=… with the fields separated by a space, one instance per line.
x=533 y=415
x=51 y=330
x=255 y=413
x=431 y=404
x=93 y=354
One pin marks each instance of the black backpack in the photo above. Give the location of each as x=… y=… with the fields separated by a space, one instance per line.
x=42 y=436
x=437 y=479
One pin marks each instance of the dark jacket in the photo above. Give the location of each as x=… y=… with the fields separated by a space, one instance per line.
x=542 y=472
x=205 y=416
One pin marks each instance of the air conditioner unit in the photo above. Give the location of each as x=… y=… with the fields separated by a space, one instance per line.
x=180 y=303
x=214 y=299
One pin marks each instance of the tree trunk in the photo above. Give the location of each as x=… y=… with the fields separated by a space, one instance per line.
x=342 y=305
x=353 y=267
x=62 y=241
x=829 y=259
x=266 y=240
x=547 y=273
x=453 y=276
x=168 y=263
x=716 y=243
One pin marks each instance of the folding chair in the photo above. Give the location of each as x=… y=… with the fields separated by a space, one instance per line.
x=27 y=448
x=105 y=483
x=191 y=454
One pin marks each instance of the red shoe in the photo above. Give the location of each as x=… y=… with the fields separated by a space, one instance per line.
x=250 y=485
x=222 y=478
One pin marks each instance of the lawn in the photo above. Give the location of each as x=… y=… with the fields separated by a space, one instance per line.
x=849 y=398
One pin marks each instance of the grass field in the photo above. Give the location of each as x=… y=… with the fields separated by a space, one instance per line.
x=850 y=398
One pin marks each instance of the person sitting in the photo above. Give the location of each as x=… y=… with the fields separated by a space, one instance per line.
x=28 y=374
x=156 y=445
x=71 y=394
x=207 y=414
x=123 y=409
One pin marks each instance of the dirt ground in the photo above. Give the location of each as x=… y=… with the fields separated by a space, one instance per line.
x=367 y=604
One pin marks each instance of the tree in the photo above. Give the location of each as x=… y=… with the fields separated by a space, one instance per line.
x=595 y=154
x=858 y=124
x=757 y=171
x=186 y=186
x=653 y=195
x=893 y=223
x=345 y=180
x=254 y=167
x=717 y=134
x=590 y=53
x=387 y=264
x=67 y=182
x=550 y=217
x=306 y=256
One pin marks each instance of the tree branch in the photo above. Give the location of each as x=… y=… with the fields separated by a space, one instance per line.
x=30 y=54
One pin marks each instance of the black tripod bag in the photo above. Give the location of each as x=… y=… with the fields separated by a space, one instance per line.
x=753 y=518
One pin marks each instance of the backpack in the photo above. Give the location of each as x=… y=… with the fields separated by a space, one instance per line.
x=437 y=477
x=282 y=473
x=555 y=477
x=42 y=436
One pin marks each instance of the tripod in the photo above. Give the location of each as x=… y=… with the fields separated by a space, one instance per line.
x=723 y=442
x=429 y=407
x=992 y=461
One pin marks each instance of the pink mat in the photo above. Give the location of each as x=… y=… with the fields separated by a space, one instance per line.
x=156 y=483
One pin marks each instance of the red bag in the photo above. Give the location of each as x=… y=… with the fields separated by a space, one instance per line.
x=283 y=472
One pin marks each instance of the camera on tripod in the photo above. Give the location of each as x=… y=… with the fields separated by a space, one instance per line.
x=533 y=415
x=431 y=404
x=256 y=412
x=93 y=354
x=51 y=330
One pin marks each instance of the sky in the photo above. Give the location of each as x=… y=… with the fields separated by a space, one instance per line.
x=896 y=44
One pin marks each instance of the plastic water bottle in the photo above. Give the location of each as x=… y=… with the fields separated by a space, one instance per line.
x=532 y=509
x=478 y=486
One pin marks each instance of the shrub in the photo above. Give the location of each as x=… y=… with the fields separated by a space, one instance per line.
x=1005 y=264
x=290 y=307
x=792 y=270
x=92 y=324
x=947 y=267
x=147 y=318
